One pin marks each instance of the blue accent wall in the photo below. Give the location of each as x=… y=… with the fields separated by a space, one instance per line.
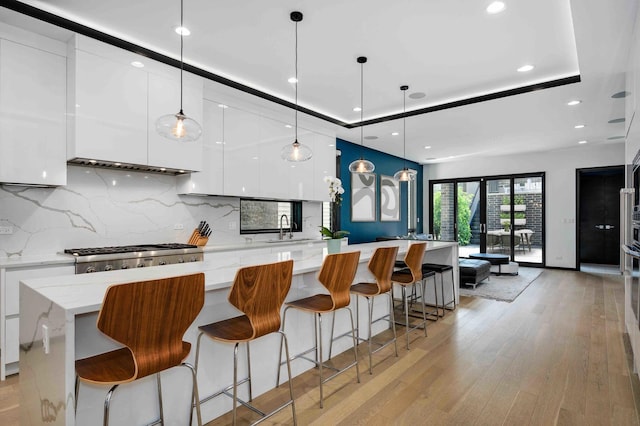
x=363 y=232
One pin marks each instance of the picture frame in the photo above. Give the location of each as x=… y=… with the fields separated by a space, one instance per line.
x=363 y=197
x=389 y=199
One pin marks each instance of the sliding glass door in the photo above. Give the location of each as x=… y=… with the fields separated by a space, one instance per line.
x=503 y=214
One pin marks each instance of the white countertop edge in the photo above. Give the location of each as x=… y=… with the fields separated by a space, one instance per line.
x=35 y=260
x=79 y=294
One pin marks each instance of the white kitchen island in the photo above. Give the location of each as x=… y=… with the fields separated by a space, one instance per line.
x=66 y=308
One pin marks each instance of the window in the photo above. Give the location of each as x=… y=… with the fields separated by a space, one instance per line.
x=265 y=216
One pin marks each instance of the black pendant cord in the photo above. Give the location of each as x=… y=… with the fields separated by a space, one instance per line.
x=181 y=49
x=404 y=129
x=361 y=103
x=296 y=83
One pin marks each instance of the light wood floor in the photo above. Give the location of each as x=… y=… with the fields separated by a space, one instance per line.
x=556 y=355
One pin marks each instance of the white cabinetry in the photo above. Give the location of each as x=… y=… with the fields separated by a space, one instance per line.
x=113 y=106
x=210 y=179
x=108 y=111
x=10 y=310
x=32 y=115
x=242 y=134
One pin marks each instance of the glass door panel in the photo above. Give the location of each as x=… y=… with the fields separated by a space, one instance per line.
x=443 y=208
x=469 y=218
x=498 y=209
x=527 y=221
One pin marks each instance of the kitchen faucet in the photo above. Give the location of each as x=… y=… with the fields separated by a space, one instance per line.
x=284 y=216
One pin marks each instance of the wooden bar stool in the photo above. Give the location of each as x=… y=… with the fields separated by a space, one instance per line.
x=336 y=275
x=381 y=266
x=409 y=277
x=149 y=318
x=258 y=292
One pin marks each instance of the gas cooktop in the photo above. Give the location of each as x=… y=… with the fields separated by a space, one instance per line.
x=90 y=251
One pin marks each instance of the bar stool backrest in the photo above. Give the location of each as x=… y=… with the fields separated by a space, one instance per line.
x=259 y=292
x=150 y=319
x=381 y=266
x=337 y=273
x=414 y=258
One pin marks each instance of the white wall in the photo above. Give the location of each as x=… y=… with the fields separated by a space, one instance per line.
x=560 y=180
x=101 y=207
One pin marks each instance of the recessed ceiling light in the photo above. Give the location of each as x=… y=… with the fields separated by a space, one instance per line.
x=179 y=171
x=371 y=138
x=292 y=80
x=357 y=109
x=255 y=158
x=222 y=106
x=579 y=126
x=184 y=31
x=395 y=134
x=288 y=126
x=220 y=143
x=526 y=68
x=616 y=120
x=427 y=147
x=137 y=64
x=495 y=7
x=582 y=142
x=331 y=144
x=619 y=95
x=574 y=102
x=162 y=169
x=417 y=95
x=117 y=164
x=93 y=161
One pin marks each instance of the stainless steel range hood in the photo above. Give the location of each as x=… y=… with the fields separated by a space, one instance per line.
x=126 y=166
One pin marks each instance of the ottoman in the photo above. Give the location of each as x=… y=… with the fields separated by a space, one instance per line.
x=473 y=271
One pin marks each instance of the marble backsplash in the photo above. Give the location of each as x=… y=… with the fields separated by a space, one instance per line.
x=102 y=207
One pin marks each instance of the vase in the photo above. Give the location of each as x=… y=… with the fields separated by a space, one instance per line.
x=333 y=245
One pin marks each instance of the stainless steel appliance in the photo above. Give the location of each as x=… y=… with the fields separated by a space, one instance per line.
x=98 y=259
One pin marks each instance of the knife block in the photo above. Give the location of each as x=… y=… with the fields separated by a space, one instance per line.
x=197 y=239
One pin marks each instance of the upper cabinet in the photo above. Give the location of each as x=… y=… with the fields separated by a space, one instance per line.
x=242 y=158
x=32 y=114
x=113 y=105
x=108 y=112
x=210 y=179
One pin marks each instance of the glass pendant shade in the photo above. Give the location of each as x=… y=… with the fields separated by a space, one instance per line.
x=178 y=127
x=296 y=152
x=405 y=175
x=361 y=166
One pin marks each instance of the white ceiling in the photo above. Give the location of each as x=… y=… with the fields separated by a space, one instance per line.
x=450 y=50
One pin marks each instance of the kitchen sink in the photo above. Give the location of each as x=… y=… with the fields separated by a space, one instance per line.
x=287 y=240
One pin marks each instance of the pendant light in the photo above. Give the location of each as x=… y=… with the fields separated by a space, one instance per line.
x=361 y=165
x=405 y=174
x=296 y=152
x=179 y=127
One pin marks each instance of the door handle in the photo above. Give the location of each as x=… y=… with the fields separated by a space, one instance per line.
x=599 y=226
x=605 y=227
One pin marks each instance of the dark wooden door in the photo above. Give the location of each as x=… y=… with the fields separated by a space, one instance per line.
x=599 y=215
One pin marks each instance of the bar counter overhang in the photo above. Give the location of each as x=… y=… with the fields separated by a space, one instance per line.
x=68 y=307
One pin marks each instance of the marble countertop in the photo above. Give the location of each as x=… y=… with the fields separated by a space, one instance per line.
x=61 y=259
x=78 y=294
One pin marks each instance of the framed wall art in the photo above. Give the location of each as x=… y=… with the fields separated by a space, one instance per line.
x=389 y=199
x=363 y=197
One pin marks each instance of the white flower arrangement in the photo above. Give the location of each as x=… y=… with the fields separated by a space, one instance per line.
x=335 y=189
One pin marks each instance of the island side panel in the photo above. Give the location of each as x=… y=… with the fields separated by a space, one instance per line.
x=46 y=379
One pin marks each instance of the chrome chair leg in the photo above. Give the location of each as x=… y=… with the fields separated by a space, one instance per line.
x=333 y=323
x=159 y=386
x=195 y=394
x=406 y=313
x=355 y=345
x=286 y=348
x=393 y=321
x=370 y=310
x=107 y=404
x=319 y=354
x=284 y=317
x=249 y=372
x=235 y=383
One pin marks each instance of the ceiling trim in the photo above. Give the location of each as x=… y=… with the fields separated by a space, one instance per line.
x=76 y=27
